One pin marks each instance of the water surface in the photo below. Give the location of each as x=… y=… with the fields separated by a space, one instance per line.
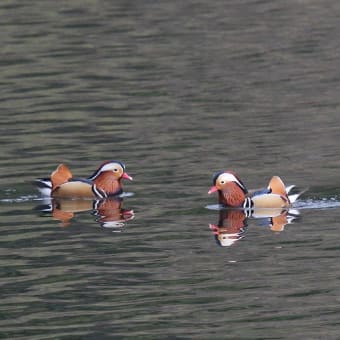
x=177 y=91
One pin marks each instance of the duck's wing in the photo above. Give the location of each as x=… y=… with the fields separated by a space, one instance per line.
x=75 y=188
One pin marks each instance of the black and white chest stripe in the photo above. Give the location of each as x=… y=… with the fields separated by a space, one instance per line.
x=248 y=206
x=98 y=192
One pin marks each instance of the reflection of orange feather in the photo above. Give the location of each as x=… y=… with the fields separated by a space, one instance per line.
x=231 y=221
x=109 y=204
x=110 y=210
x=60 y=176
x=278 y=222
x=277 y=187
x=63 y=216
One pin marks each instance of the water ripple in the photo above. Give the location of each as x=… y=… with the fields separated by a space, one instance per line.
x=322 y=203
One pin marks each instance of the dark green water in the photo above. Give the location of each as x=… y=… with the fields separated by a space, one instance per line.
x=177 y=91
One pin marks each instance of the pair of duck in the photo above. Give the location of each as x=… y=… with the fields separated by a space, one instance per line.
x=106 y=182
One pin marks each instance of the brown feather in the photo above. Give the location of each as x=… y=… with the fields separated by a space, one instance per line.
x=60 y=176
x=108 y=182
x=231 y=195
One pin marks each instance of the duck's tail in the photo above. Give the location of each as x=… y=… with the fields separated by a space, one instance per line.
x=44 y=186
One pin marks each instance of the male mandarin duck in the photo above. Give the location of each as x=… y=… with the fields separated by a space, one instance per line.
x=104 y=182
x=233 y=193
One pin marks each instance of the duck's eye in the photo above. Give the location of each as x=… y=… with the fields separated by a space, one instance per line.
x=222 y=182
x=115 y=170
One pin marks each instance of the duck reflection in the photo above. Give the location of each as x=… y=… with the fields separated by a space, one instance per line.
x=275 y=219
x=108 y=212
x=233 y=223
x=231 y=227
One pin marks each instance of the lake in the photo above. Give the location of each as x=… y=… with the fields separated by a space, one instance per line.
x=177 y=91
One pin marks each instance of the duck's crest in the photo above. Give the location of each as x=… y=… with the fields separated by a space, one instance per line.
x=215 y=176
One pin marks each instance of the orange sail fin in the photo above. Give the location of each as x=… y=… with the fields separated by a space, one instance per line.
x=277 y=186
x=60 y=176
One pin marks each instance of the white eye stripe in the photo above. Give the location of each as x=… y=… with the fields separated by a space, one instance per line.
x=110 y=167
x=228 y=177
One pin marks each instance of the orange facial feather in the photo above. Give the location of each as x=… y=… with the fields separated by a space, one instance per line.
x=108 y=182
x=232 y=195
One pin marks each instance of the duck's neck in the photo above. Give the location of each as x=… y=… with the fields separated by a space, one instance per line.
x=108 y=183
x=232 y=195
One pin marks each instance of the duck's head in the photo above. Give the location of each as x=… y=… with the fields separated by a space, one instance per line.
x=117 y=168
x=222 y=179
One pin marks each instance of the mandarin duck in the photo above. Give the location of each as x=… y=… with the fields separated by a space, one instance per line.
x=104 y=182
x=233 y=193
